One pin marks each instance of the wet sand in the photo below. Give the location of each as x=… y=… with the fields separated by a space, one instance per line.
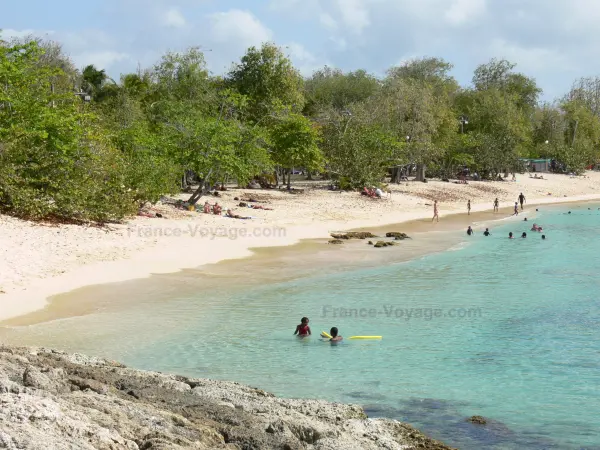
x=266 y=265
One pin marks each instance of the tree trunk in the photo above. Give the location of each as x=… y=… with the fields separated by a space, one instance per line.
x=309 y=177
x=420 y=172
x=184 y=183
x=203 y=188
x=289 y=180
x=277 y=177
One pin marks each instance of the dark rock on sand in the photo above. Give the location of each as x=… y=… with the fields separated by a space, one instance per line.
x=397 y=235
x=354 y=235
x=336 y=241
x=370 y=242
x=380 y=244
x=53 y=400
x=479 y=420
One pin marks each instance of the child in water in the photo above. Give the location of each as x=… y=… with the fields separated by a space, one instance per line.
x=303 y=329
x=334 y=335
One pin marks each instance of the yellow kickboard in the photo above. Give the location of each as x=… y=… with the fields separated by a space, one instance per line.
x=325 y=334
x=365 y=337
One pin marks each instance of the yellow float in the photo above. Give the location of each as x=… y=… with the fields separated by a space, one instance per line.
x=365 y=337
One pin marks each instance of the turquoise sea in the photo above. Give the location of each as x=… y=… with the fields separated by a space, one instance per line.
x=506 y=329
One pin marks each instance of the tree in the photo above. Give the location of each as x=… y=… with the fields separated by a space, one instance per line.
x=418 y=97
x=54 y=161
x=269 y=80
x=357 y=148
x=333 y=88
x=295 y=144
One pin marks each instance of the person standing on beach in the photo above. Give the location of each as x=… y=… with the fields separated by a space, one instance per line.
x=521 y=200
x=435 y=211
x=496 y=203
x=469 y=207
x=516 y=213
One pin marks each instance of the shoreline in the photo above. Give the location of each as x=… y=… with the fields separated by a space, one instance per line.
x=192 y=252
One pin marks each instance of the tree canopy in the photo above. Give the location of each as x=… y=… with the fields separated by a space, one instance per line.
x=78 y=145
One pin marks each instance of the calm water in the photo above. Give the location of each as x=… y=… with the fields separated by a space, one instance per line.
x=505 y=329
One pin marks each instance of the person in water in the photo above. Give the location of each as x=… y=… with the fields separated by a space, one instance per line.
x=524 y=235
x=510 y=235
x=303 y=329
x=543 y=237
x=469 y=231
x=334 y=335
x=487 y=232
x=496 y=203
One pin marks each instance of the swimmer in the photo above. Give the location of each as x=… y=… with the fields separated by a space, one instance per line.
x=543 y=237
x=303 y=329
x=334 y=335
x=469 y=231
x=510 y=235
x=525 y=219
x=487 y=232
x=524 y=235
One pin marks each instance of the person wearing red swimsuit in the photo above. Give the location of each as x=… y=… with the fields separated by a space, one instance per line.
x=303 y=329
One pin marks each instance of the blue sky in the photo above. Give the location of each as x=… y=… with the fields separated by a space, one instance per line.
x=554 y=41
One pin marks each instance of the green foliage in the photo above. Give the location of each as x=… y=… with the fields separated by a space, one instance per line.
x=269 y=80
x=333 y=88
x=65 y=158
x=295 y=142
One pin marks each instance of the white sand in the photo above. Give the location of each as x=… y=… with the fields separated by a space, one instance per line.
x=39 y=261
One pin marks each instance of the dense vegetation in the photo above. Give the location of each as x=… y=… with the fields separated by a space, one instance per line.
x=77 y=145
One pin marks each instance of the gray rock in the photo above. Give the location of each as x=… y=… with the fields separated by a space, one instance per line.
x=53 y=400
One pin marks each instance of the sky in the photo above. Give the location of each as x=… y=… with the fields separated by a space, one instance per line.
x=554 y=41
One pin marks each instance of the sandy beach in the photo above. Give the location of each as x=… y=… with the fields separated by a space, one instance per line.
x=39 y=260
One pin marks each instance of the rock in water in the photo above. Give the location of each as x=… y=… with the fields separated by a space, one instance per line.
x=479 y=420
x=397 y=235
x=336 y=241
x=53 y=400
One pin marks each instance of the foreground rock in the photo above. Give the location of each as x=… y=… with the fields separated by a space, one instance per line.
x=57 y=401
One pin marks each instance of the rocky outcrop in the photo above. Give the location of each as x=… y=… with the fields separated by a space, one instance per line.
x=380 y=244
x=336 y=241
x=397 y=235
x=54 y=400
x=353 y=235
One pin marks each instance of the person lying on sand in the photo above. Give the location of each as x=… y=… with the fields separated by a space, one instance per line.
x=217 y=210
x=207 y=208
x=260 y=207
x=235 y=216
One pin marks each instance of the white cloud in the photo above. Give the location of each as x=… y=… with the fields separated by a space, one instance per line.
x=327 y=21
x=173 y=18
x=529 y=59
x=463 y=11
x=303 y=59
x=354 y=14
x=101 y=59
x=237 y=26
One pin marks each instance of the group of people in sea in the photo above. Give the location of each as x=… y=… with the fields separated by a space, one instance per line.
x=303 y=330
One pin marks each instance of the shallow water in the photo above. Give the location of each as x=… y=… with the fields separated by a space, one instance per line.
x=505 y=329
